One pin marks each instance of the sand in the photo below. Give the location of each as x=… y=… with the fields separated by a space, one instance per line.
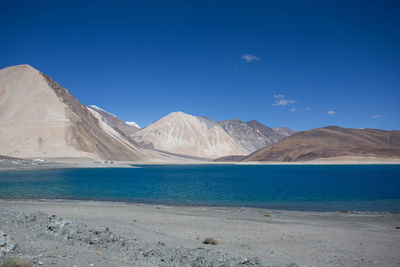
x=305 y=238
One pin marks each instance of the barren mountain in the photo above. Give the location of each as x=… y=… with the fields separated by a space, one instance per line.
x=252 y=135
x=39 y=118
x=115 y=122
x=132 y=123
x=331 y=142
x=189 y=135
x=284 y=132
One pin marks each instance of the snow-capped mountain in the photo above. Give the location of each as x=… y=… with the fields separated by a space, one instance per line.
x=132 y=123
x=125 y=128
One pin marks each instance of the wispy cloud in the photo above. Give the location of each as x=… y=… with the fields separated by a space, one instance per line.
x=250 y=58
x=299 y=109
x=279 y=96
x=377 y=116
x=331 y=112
x=282 y=101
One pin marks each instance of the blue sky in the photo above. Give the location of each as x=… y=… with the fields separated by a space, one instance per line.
x=301 y=64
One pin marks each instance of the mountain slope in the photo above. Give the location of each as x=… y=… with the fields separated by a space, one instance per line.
x=331 y=142
x=39 y=118
x=188 y=135
x=252 y=135
x=118 y=124
x=132 y=123
x=284 y=131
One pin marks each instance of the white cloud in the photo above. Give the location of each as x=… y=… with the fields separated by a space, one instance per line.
x=293 y=109
x=331 y=112
x=250 y=58
x=377 y=116
x=282 y=101
x=279 y=96
x=307 y=109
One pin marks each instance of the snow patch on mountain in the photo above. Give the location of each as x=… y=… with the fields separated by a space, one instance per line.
x=132 y=123
x=98 y=108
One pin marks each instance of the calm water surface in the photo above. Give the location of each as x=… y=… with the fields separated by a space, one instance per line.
x=301 y=187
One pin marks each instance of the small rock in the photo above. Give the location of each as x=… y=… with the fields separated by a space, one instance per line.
x=245 y=261
x=6 y=243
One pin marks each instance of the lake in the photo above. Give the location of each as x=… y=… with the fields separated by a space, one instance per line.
x=294 y=187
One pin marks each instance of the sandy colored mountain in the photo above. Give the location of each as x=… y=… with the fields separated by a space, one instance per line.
x=253 y=135
x=332 y=142
x=189 y=135
x=39 y=118
x=119 y=125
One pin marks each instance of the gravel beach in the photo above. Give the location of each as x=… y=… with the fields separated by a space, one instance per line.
x=89 y=233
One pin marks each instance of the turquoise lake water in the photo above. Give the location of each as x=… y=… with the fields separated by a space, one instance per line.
x=298 y=187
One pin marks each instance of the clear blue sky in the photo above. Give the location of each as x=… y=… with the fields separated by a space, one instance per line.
x=284 y=63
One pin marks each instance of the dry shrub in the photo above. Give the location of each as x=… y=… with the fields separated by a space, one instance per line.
x=16 y=262
x=210 y=241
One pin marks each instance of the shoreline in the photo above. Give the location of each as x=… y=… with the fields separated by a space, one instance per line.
x=278 y=236
x=192 y=206
x=276 y=208
x=59 y=165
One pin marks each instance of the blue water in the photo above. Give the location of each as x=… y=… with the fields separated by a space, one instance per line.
x=301 y=187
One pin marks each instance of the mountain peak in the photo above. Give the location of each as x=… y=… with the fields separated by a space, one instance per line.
x=132 y=123
x=21 y=66
x=100 y=109
x=232 y=120
x=189 y=135
x=178 y=114
x=124 y=128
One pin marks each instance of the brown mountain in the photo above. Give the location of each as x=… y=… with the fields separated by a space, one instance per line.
x=329 y=142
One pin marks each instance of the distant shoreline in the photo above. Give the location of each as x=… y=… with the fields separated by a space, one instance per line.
x=116 y=164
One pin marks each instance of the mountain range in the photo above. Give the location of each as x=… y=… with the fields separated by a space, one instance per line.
x=40 y=118
x=251 y=136
x=332 y=142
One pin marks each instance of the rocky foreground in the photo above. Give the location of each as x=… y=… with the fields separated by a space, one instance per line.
x=101 y=233
x=47 y=240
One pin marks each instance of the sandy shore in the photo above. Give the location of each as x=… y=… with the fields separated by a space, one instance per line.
x=5 y=167
x=309 y=238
